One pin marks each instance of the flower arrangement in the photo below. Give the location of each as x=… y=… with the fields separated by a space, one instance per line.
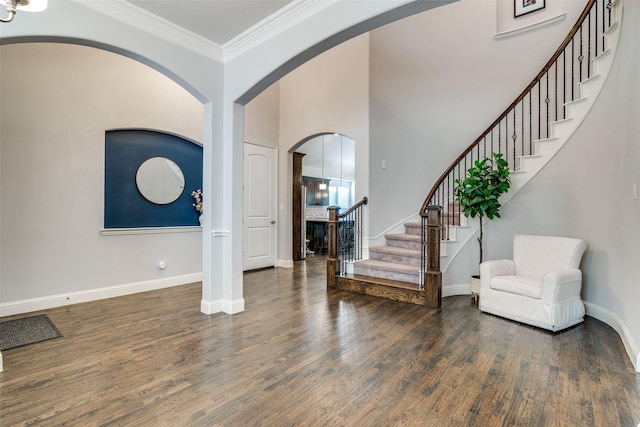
x=198 y=204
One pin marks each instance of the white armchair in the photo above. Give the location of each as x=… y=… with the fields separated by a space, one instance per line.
x=540 y=286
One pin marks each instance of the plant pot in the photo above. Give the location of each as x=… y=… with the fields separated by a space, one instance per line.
x=475 y=288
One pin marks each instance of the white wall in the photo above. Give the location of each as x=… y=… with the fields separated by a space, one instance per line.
x=262 y=117
x=198 y=67
x=438 y=79
x=57 y=101
x=221 y=85
x=586 y=191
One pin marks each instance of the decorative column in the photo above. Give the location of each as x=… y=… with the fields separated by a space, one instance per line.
x=332 y=233
x=433 y=275
x=296 y=215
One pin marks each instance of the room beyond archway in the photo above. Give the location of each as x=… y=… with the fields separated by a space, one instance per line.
x=324 y=168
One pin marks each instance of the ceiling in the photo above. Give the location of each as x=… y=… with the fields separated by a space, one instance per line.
x=218 y=21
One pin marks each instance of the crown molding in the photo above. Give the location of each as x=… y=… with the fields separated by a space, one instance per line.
x=291 y=14
x=135 y=16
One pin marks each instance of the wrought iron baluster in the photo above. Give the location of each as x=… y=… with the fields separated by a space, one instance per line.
x=539 y=110
x=581 y=56
x=573 y=68
x=589 y=47
x=564 y=83
x=499 y=137
x=547 y=101
x=555 y=95
x=515 y=138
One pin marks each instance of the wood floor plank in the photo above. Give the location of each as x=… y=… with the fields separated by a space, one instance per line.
x=304 y=356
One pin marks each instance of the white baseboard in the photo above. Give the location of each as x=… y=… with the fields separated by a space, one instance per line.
x=221 y=305
x=619 y=326
x=459 y=289
x=53 y=301
x=285 y=263
x=233 y=307
x=211 y=307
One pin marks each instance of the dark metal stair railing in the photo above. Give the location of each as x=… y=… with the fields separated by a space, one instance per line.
x=528 y=117
x=344 y=239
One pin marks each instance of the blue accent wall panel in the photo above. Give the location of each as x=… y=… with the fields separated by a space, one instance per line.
x=124 y=206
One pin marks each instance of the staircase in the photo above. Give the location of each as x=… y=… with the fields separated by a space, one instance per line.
x=398 y=260
x=393 y=270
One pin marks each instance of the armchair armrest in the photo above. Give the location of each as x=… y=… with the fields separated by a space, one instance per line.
x=561 y=285
x=498 y=267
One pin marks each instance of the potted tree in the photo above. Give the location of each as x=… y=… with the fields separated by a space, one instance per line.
x=479 y=193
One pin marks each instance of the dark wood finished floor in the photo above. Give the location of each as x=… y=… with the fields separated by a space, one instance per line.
x=299 y=356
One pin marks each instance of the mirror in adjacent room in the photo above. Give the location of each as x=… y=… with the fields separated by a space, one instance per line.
x=328 y=179
x=328 y=170
x=160 y=180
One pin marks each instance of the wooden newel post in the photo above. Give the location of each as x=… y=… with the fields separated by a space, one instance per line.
x=333 y=267
x=433 y=275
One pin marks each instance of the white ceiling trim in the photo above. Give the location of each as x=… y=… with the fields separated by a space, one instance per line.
x=290 y=15
x=135 y=16
x=283 y=19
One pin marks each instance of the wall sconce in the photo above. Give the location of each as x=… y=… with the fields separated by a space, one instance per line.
x=26 y=5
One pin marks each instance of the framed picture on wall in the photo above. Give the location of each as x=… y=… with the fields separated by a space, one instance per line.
x=522 y=7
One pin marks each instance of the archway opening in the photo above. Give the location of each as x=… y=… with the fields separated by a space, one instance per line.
x=326 y=177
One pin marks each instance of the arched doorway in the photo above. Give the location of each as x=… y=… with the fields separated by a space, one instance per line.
x=53 y=143
x=324 y=175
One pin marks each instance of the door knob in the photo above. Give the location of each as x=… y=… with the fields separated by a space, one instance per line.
x=273 y=221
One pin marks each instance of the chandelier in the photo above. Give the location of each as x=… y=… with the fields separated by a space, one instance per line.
x=27 y=5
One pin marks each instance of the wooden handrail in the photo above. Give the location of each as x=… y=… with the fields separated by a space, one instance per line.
x=362 y=202
x=585 y=13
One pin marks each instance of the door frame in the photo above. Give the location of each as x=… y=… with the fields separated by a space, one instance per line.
x=274 y=200
x=296 y=213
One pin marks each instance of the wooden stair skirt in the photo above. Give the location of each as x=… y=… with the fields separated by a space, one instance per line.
x=382 y=288
x=392 y=271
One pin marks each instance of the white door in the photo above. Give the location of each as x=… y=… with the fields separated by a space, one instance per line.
x=259 y=209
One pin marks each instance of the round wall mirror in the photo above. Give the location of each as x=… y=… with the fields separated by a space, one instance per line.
x=160 y=180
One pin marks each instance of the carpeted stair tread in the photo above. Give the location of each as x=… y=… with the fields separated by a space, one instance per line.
x=409 y=237
x=408 y=241
x=413 y=228
x=395 y=250
x=412 y=224
x=387 y=266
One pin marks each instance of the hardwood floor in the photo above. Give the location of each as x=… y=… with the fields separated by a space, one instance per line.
x=302 y=356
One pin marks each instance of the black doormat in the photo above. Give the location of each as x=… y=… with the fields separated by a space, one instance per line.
x=25 y=331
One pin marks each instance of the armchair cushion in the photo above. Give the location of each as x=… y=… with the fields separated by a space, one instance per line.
x=540 y=286
x=520 y=285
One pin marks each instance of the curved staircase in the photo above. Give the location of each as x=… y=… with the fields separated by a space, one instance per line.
x=397 y=264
